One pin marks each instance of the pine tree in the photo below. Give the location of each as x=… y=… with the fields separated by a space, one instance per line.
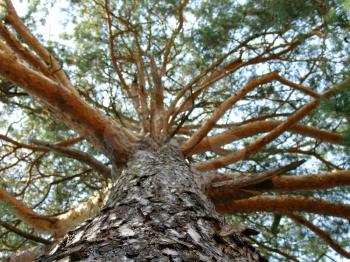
x=175 y=131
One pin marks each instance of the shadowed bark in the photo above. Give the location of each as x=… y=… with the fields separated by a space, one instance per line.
x=143 y=221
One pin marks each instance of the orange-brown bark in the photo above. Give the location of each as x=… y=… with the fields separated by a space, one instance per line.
x=260 y=143
x=33 y=42
x=23 y=52
x=221 y=110
x=157 y=103
x=298 y=87
x=277 y=131
x=111 y=138
x=283 y=203
x=309 y=182
x=258 y=127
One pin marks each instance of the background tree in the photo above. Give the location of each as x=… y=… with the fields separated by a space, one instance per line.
x=238 y=84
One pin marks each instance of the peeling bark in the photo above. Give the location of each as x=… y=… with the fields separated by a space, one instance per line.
x=155 y=212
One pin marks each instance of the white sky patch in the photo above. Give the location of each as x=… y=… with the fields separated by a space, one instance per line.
x=53 y=26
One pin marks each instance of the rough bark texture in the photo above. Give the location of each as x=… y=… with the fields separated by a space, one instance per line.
x=155 y=212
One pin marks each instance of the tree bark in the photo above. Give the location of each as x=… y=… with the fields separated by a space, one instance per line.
x=155 y=212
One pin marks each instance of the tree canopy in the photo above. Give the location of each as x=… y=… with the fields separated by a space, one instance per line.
x=247 y=87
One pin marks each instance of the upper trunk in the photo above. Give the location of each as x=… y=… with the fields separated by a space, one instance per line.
x=155 y=212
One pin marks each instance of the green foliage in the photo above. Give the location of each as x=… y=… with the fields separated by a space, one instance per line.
x=211 y=29
x=339 y=106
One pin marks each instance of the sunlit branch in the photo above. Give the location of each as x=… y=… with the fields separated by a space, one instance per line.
x=308 y=182
x=23 y=52
x=33 y=42
x=258 y=127
x=276 y=132
x=109 y=137
x=298 y=87
x=221 y=110
x=283 y=203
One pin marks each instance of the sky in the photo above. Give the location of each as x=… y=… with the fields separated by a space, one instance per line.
x=52 y=29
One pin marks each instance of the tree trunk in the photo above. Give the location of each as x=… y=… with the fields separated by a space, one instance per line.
x=155 y=212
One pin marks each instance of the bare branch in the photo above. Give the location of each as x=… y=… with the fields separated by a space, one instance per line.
x=33 y=42
x=258 y=127
x=284 y=204
x=78 y=155
x=277 y=131
x=221 y=110
x=308 y=182
x=172 y=38
x=23 y=233
x=108 y=136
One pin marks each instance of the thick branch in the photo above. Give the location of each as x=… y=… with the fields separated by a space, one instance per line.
x=31 y=40
x=276 y=132
x=298 y=87
x=260 y=143
x=284 y=204
x=258 y=127
x=221 y=110
x=306 y=183
x=23 y=52
x=108 y=136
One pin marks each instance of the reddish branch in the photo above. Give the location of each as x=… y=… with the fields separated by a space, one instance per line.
x=309 y=182
x=32 y=41
x=241 y=186
x=222 y=109
x=284 y=204
x=272 y=135
x=157 y=103
x=258 y=127
x=23 y=52
x=321 y=233
x=108 y=136
x=260 y=143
